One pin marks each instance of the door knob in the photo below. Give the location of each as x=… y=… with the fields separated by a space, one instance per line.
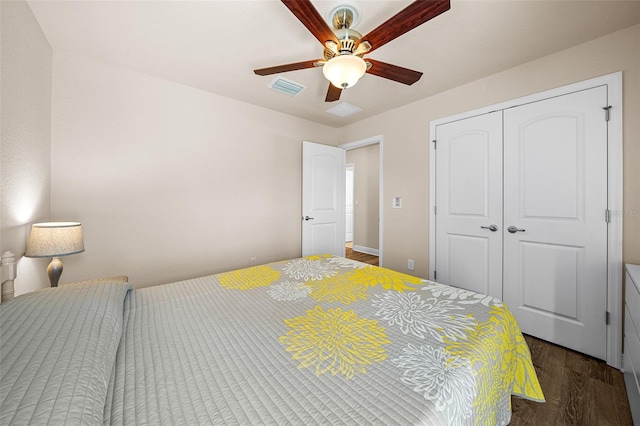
x=308 y=218
x=492 y=228
x=514 y=229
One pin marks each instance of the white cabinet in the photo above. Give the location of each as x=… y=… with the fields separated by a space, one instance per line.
x=632 y=340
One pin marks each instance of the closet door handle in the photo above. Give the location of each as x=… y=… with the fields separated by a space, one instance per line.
x=307 y=218
x=514 y=229
x=492 y=228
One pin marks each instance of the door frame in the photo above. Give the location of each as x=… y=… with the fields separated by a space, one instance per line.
x=373 y=140
x=614 y=185
x=353 y=220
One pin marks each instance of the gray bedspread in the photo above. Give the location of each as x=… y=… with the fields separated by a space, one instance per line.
x=319 y=340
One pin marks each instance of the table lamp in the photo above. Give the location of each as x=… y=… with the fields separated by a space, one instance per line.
x=54 y=239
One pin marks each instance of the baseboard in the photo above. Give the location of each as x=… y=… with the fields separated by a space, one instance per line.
x=367 y=250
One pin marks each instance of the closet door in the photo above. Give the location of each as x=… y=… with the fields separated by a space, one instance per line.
x=469 y=203
x=555 y=197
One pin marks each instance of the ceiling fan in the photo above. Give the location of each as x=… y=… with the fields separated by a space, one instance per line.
x=344 y=48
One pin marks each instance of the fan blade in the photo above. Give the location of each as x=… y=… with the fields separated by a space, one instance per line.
x=417 y=13
x=393 y=72
x=311 y=18
x=333 y=94
x=288 y=67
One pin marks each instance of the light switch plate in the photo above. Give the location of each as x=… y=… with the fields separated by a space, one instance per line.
x=397 y=203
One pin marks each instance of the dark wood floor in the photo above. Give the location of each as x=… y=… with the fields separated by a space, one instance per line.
x=361 y=257
x=579 y=390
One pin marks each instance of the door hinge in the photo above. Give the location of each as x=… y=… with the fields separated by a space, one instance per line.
x=607 y=112
x=435 y=275
x=607 y=317
x=435 y=144
x=607 y=215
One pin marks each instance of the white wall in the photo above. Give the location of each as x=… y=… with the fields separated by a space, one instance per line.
x=171 y=182
x=406 y=136
x=25 y=143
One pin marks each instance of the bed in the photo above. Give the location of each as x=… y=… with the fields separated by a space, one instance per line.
x=314 y=340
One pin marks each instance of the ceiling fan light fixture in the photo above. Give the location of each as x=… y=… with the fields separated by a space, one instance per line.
x=344 y=71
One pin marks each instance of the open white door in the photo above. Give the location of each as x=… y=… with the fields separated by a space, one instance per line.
x=323 y=199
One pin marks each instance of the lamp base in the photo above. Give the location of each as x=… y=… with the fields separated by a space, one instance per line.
x=54 y=270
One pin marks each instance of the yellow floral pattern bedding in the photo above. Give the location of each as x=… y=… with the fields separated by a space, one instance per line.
x=462 y=351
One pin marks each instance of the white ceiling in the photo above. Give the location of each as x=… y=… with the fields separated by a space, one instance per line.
x=215 y=45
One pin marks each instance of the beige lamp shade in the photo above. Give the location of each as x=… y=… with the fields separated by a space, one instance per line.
x=52 y=239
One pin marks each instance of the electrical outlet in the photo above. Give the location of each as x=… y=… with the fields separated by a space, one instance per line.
x=253 y=261
x=396 y=203
x=410 y=265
